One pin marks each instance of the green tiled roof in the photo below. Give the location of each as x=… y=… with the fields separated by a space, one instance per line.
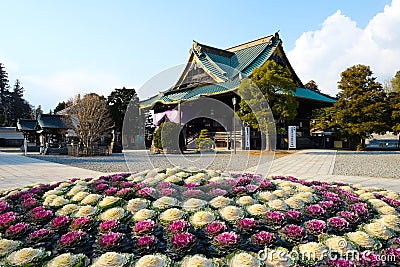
x=245 y=59
x=312 y=95
x=247 y=56
x=26 y=125
x=196 y=92
x=51 y=121
x=261 y=58
x=225 y=66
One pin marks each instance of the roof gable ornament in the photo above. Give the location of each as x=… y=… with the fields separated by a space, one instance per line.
x=197 y=48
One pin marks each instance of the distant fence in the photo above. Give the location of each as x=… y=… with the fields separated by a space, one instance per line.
x=77 y=151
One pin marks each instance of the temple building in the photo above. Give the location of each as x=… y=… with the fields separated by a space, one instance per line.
x=216 y=74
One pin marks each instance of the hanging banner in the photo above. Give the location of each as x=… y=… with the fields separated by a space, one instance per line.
x=247 y=137
x=172 y=115
x=292 y=136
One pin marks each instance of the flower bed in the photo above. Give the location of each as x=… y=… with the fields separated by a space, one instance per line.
x=174 y=217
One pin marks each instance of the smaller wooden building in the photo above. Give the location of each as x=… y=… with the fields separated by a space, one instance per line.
x=47 y=134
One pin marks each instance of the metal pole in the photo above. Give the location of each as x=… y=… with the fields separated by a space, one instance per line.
x=179 y=113
x=25 y=145
x=234 y=128
x=234 y=124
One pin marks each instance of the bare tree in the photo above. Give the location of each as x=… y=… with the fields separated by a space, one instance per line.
x=387 y=85
x=91 y=119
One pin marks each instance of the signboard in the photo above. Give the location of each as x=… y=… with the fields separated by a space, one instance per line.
x=247 y=137
x=292 y=136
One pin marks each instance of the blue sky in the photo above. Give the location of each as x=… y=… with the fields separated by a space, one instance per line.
x=60 y=48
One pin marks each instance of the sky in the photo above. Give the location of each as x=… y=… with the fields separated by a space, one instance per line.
x=60 y=48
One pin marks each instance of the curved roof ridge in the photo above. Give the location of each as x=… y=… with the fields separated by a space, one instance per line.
x=252 y=43
x=259 y=59
x=210 y=49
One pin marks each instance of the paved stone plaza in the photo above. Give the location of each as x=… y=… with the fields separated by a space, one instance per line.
x=17 y=170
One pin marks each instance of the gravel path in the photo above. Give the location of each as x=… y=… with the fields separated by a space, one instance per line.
x=384 y=164
x=138 y=161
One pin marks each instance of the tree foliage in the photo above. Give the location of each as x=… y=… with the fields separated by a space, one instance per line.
x=312 y=85
x=4 y=94
x=118 y=102
x=394 y=101
x=12 y=103
x=204 y=142
x=323 y=119
x=92 y=119
x=361 y=108
x=169 y=137
x=62 y=105
x=273 y=82
x=4 y=86
x=18 y=106
x=395 y=82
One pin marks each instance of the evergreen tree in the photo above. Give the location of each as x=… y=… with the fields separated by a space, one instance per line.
x=323 y=119
x=312 y=85
x=38 y=111
x=18 y=107
x=118 y=102
x=4 y=95
x=18 y=89
x=169 y=137
x=62 y=105
x=361 y=108
x=396 y=82
x=275 y=83
x=4 y=86
x=204 y=142
x=394 y=100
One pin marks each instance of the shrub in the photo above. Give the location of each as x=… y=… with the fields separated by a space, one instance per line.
x=204 y=142
x=166 y=136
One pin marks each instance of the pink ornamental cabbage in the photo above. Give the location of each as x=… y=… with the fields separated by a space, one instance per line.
x=341 y=263
x=227 y=239
x=349 y=216
x=293 y=233
x=81 y=223
x=8 y=218
x=144 y=227
x=60 y=222
x=275 y=218
x=315 y=227
x=111 y=240
x=215 y=228
x=145 y=242
x=109 y=226
x=247 y=224
x=178 y=226
x=40 y=235
x=263 y=238
x=17 y=230
x=369 y=259
x=72 y=238
x=4 y=206
x=183 y=240
x=315 y=211
x=293 y=216
x=111 y=191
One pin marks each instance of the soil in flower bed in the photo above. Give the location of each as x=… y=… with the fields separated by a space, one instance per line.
x=191 y=217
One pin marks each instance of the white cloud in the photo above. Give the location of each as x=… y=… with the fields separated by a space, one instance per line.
x=49 y=91
x=323 y=54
